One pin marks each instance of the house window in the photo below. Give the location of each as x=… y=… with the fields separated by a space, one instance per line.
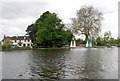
x=28 y=40
x=19 y=43
x=28 y=45
x=25 y=40
x=23 y=45
x=15 y=40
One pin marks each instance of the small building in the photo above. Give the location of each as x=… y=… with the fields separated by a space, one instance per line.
x=18 y=41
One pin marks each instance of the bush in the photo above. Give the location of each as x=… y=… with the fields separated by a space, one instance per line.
x=6 y=47
x=34 y=46
x=3 y=47
x=108 y=45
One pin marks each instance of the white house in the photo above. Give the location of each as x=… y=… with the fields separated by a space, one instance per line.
x=18 y=41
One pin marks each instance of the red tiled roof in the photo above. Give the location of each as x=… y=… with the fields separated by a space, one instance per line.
x=17 y=38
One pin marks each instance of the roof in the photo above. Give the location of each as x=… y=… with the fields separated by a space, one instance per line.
x=16 y=38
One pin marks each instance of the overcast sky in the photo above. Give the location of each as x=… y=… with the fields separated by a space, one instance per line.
x=16 y=15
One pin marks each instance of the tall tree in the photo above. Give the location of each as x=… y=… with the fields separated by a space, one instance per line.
x=107 y=36
x=88 y=22
x=31 y=31
x=49 y=31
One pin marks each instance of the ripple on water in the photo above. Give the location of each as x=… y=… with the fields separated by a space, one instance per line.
x=76 y=63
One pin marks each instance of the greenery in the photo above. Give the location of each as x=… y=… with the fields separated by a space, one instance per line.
x=48 y=31
x=107 y=40
x=7 y=44
x=31 y=31
x=79 y=42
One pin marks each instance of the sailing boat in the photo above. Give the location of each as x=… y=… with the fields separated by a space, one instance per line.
x=89 y=44
x=73 y=43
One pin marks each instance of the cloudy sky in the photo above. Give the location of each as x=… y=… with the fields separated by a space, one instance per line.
x=16 y=15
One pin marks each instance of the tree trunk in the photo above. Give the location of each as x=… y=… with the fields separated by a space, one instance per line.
x=86 y=38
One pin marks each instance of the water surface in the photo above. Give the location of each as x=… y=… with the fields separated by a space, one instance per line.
x=78 y=63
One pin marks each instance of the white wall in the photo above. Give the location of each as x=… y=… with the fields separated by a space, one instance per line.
x=23 y=42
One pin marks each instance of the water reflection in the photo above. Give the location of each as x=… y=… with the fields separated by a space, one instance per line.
x=79 y=63
x=92 y=65
x=48 y=63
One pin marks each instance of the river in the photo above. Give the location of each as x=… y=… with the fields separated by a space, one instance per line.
x=76 y=63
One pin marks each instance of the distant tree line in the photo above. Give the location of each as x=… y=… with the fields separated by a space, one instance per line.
x=50 y=31
x=107 y=40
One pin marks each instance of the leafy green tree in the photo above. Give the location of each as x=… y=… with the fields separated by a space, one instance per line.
x=88 y=22
x=112 y=41
x=100 y=41
x=48 y=31
x=118 y=40
x=31 y=31
x=107 y=36
x=7 y=44
x=79 y=41
x=67 y=37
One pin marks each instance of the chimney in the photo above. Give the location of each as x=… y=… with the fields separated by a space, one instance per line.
x=17 y=36
x=4 y=36
x=24 y=37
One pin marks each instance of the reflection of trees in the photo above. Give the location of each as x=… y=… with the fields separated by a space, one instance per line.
x=92 y=66
x=48 y=63
x=50 y=72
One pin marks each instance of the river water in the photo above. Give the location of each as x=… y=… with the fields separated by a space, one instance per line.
x=76 y=63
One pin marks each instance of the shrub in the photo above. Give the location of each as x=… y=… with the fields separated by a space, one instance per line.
x=3 y=47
